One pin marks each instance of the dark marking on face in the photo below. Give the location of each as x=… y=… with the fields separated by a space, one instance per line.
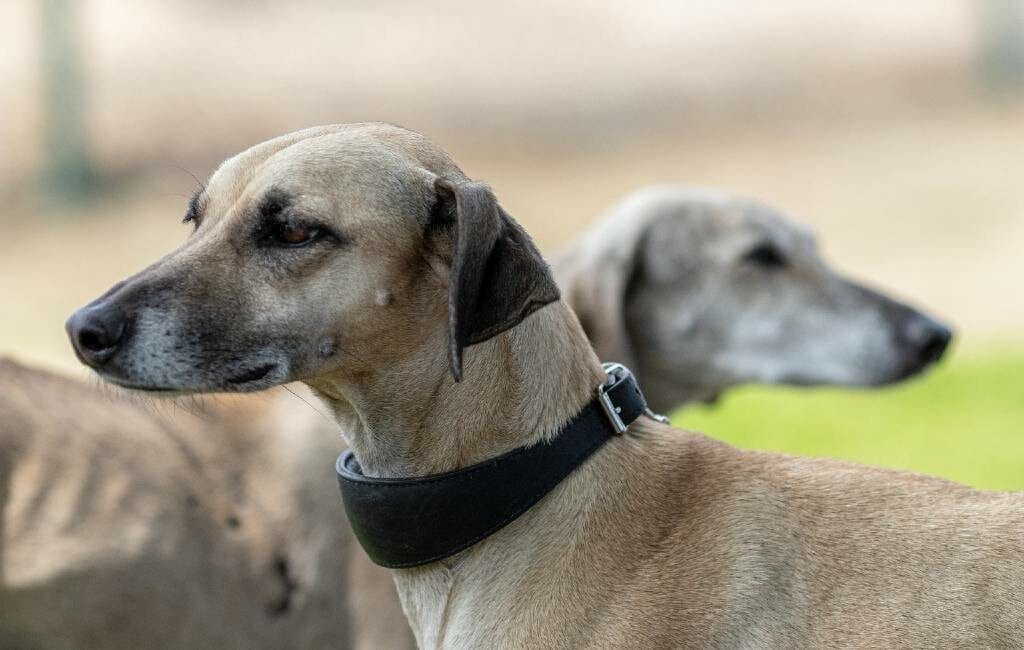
x=284 y=228
x=253 y=374
x=766 y=255
x=196 y=206
x=274 y=203
x=327 y=348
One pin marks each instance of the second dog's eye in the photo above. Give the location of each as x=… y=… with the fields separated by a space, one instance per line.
x=292 y=234
x=765 y=255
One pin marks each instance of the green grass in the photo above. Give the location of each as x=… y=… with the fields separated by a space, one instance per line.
x=963 y=421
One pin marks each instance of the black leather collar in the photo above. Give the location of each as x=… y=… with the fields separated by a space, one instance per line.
x=406 y=522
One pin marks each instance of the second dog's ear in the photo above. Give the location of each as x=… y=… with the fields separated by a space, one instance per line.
x=598 y=273
x=498 y=276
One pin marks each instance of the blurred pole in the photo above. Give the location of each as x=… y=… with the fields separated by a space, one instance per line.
x=1002 y=43
x=67 y=173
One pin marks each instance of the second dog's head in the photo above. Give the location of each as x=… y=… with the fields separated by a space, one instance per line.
x=701 y=291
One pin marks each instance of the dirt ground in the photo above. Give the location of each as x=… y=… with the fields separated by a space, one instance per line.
x=928 y=205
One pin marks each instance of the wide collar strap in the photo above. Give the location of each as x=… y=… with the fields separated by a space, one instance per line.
x=406 y=522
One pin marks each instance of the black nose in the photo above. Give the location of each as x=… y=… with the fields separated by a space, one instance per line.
x=95 y=333
x=925 y=339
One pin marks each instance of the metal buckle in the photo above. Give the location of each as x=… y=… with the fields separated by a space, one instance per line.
x=656 y=416
x=617 y=373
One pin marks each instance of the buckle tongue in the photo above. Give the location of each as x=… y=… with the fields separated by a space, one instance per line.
x=617 y=373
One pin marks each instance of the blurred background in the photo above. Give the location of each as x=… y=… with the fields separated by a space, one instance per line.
x=895 y=129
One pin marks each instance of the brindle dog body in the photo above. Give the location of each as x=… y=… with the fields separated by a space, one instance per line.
x=125 y=527
x=360 y=260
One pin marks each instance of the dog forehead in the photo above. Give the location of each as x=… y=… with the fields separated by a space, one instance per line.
x=347 y=181
x=770 y=224
x=351 y=164
x=692 y=228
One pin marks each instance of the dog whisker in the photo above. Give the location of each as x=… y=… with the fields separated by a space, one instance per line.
x=307 y=403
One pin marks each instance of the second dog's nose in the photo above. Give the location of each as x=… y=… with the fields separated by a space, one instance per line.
x=926 y=338
x=95 y=333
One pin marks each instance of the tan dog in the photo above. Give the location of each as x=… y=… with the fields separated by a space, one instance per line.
x=359 y=259
x=288 y=566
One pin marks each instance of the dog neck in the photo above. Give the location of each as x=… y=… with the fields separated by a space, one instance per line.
x=413 y=419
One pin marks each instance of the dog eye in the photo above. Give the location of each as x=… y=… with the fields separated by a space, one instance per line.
x=766 y=256
x=294 y=234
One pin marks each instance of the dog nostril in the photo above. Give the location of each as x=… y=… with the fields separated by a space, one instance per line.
x=935 y=345
x=95 y=334
x=94 y=340
x=925 y=339
x=921 y=341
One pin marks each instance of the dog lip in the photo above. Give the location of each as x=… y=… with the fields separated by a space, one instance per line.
x=139 y=387
x=254 y=374
x=243 y=381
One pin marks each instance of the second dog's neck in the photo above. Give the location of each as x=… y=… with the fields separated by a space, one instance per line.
x=520 y=387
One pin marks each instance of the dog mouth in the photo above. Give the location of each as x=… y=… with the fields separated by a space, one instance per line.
x=167 y=390
x=248 y=380
x=252 y=375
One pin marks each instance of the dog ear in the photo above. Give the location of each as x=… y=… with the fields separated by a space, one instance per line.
x=598 y=274
x=498 y=276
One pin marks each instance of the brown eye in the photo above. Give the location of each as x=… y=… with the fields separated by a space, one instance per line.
x=292 y=234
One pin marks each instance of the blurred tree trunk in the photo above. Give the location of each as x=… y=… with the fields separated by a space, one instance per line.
x=1002 y=43
x=67 y=172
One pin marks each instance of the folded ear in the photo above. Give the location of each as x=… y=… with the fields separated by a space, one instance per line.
x=598 y=273
x=498 y=276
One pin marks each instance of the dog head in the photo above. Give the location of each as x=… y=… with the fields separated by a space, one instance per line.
x=335 y=249
x=701 y=291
